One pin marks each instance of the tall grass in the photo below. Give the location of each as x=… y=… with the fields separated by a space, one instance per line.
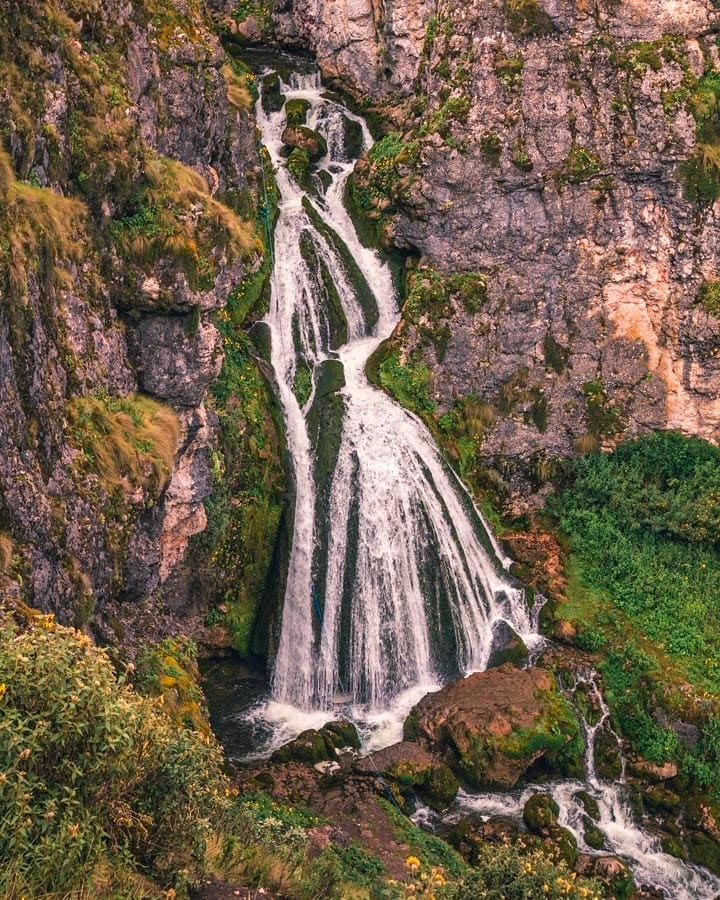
x=41 y=227
x=127 y=442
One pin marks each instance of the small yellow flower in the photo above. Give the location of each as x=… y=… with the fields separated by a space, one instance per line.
x=412 y=863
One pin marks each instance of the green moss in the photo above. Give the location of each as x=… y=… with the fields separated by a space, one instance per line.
x=302 y=384
x=603 y=416
x=709 y=297
x=528 y=18
x=299 y=165
x=296 y=111
x=581 y=165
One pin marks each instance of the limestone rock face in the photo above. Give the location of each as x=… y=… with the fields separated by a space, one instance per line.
x=369 y=47
x=115 y=322
x=494 y=725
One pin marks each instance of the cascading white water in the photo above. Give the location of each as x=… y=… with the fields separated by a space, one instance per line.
x=623 y=836
x=393 y=579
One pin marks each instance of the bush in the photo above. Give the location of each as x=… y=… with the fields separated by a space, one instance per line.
x=502 y=872
x=91 y=771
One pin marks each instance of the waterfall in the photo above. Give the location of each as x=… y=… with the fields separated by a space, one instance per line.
x=651 y=867
x=394 y=582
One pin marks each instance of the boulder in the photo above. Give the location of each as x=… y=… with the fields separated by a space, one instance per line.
x=315 y=746
x=302 y=138
x=492 y=726
x=540 y=813
x=413 y=768
x=610 y=870
x=507 y=646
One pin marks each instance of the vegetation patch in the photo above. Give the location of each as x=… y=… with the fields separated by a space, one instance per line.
x=528 y=18
x=581 y=165
x=643 y=524
x=409 y=382
x=702 y=170
x=128 y=442
x=709 y=297
x=173 y=215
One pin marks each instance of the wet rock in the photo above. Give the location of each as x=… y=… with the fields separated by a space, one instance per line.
x=414 y=769
x=590 y=804
x=703 y=851
x=507 y=646
x=492 y=726
x=272 y=96
x=608 y=759
x=610 y=870
x=296 y=111
x=592 y=835
x=470 y=836
x=661 y=800
x=317 y=746
x=300 y=137
x=540 y=813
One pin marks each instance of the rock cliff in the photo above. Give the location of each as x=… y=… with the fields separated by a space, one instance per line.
x=128 y=172
x=567 y=153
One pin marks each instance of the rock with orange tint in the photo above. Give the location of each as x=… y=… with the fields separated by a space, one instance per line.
x=492 y=726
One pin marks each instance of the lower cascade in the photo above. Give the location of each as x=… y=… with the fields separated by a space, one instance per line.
x=393 y=581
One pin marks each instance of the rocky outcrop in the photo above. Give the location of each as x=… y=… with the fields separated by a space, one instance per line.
x=492 y=726
x=123 y=163
x=367 y=47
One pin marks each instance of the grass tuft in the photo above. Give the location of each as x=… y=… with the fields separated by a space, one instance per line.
x=127 y=442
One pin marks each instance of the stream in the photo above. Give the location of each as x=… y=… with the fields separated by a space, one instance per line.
x=395 y=584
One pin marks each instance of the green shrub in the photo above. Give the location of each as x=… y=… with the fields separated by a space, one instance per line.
x=408 y=382
x=502 y=872
x=91 y=770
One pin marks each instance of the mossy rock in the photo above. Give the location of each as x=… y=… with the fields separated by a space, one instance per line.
x=314 y=746
x=296 y=111
x=704 y=851
x=299 y=165
x=507 y=646
x=434 y=781
x=593 y=836
x=611 y=871
x=561 y=843
x=272 y=97
x=330 y=378
x=540 y=813
x=608 y=760
x=344 y=734
x=352 y=138
x=590 y=805
x=661 y=800
x=674 y=847
x=303 y=138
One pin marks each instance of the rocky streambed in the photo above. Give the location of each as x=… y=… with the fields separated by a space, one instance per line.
x=513 y=756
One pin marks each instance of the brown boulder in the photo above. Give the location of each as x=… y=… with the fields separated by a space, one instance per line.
x=492 y=726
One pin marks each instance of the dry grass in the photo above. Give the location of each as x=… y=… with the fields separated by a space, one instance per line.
x=237 y=91
x=41 y=226
x=587 y=443
x=182 y=220
x=127 y=442
x=6 y=551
